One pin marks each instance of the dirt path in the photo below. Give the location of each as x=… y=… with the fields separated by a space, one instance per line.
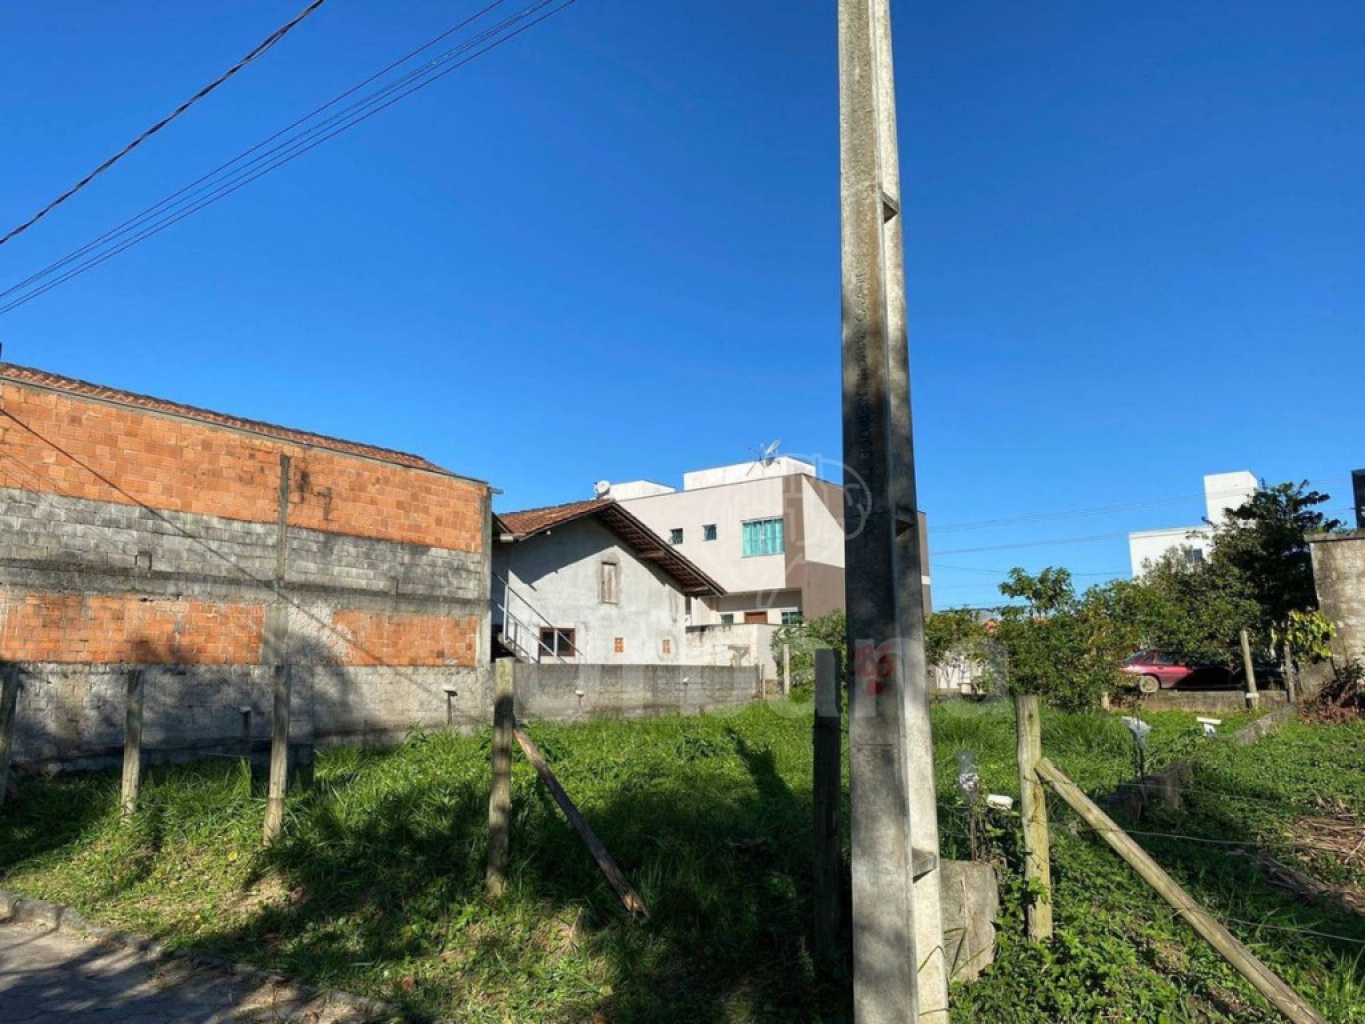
x=57 y=977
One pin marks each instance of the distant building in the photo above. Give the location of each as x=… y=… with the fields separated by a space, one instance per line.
x=589 y=583
x=1222 y=492
x=769 y=531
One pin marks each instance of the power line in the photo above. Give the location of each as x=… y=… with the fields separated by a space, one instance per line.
x=210 y=192
x=1040 y=517
x=1032 y=543
x=147 y=214
x=255 y=54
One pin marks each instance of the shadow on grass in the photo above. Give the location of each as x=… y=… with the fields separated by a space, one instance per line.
x=391 y=883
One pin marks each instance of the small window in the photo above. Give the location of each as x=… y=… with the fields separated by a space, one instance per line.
x=708 y=532
x=668 y=645
x=727 y=619
x=609 y=583
x=1193 y=556
x=754 y=617
x=764 y=537
x=791 y=618
x=558 y=642
x=619 y=645
x=675 y=535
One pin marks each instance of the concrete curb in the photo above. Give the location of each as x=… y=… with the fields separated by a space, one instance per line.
x=16 y=908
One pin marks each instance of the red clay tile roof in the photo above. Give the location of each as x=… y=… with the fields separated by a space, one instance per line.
x=639 y=537
x=535 y=520
x=84 y=389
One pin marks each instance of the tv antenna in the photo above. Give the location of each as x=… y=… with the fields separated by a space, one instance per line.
x=766 y=454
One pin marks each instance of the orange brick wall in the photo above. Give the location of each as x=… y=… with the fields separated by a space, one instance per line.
x=126 y=455
x=93 y=629
x=380 y=639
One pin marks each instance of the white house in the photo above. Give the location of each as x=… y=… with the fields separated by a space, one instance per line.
x=1222 y=491
x=589 y=583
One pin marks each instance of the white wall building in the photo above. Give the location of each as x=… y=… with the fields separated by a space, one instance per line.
x=589 y=583
x=769 y=531
x=1222 y=491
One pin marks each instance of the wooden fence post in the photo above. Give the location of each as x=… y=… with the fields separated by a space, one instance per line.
x=1033 y=806
x=9 y=701
x=786 y=670
x=1290 y=672
x=132 y=740
x=279 y=755
x=500 y=794
x=827 y=790
x=1261 y=977
x=1249 y=667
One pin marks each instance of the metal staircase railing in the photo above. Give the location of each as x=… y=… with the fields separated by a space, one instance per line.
x=524 y=639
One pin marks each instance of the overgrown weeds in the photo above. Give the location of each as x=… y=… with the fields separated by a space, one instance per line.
x=377 y=885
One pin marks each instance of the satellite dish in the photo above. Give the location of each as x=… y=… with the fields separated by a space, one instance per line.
x=766 y=454
x=601 y=489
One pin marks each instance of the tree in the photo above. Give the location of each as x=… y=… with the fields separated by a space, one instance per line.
x=1263 y=543
x=1193 y=610
x=1061 y=647
x=950 y=632
x=805 y=639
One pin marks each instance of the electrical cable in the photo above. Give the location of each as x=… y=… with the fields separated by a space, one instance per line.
x=255 y=54
x=295 y=148
x=149 y=212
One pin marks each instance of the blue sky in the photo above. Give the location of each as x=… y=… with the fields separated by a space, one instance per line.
x=1135 y=235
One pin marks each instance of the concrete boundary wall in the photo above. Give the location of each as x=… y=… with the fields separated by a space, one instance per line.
x=569 y=693
x=72 y=716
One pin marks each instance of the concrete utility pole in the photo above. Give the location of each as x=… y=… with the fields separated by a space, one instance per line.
x=898 y=958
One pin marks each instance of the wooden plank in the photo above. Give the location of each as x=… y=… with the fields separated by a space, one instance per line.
x=1261 y=977
x=1033 y=808
x=500 y=792
x=630 y=899
x=830 y=870
x=279 y=756
x=9 y=702
x=132 y=741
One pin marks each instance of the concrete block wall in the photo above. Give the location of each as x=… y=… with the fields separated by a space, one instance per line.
x=135 y=532
x=567 y=693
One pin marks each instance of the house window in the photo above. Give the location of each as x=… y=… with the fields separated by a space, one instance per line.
x=619 y=645
x=764 y=537
x=754 y=617
x=791 y=618
x=609 y=583
x=675 y=535
x=708 y=532
x=727 y=619
x=557 y=642
x=668 y=645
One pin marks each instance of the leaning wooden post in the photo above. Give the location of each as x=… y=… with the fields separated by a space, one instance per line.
x=500 y=795
x=1261 y=977
x=1249 y=667
x=279 y=756
x=826 y=790
x=1290 y=682
x=132 y=741
x=786 y=670
x=9 y=701
x=1033 y=806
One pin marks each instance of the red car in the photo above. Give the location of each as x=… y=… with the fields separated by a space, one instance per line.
x=1153 y=670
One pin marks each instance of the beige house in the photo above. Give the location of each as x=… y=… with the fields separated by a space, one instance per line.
x=770 y=532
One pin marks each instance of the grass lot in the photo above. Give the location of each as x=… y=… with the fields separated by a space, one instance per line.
x=378 y=886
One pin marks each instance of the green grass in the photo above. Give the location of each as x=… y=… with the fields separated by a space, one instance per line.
x=377 y=886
